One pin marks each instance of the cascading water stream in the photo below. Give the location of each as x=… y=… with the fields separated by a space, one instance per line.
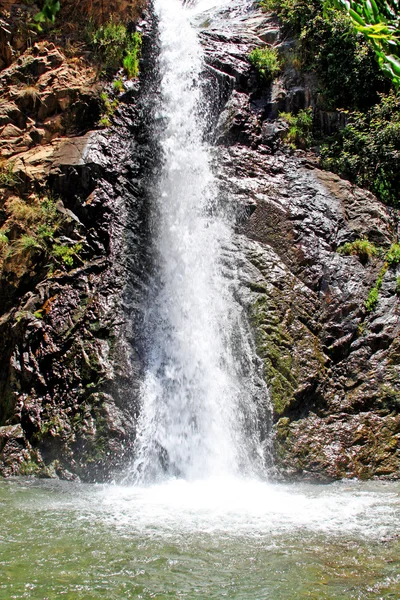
x=199 y=415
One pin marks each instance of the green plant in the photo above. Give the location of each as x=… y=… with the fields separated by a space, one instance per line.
x=362 y=248
x=392 y=259
x=47 y=14
x=3 y=239
x=367 y=150
x=7 y=175
x=27 y=242
x=266 y=61
x=372 y=300
x=379 y=22
x=116 y=47
x=118 y=86
x=131 y=60
x=108 y=109
x=299 y=134
x=327 y=44
x=66 y=254
x=393 y=256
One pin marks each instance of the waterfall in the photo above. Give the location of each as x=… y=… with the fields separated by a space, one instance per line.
x=200 y=391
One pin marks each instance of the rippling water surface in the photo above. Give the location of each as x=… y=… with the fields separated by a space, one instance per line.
x=223 y=538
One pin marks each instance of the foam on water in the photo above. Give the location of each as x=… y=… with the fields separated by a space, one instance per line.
x=250 y=507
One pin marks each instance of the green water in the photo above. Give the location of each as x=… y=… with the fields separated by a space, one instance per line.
x=63 y=540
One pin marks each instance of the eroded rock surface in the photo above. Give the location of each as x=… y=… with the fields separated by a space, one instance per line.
x=333 y=369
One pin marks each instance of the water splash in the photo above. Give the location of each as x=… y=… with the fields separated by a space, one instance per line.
x=199 y=415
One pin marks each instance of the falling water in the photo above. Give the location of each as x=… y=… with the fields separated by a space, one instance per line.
x=198 y=415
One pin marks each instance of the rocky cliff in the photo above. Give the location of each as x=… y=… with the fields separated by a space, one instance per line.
x=71 y=298
x=332 y=367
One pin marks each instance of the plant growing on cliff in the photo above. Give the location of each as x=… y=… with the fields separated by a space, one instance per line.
x=47 y=14
x=347 y=71
x=367 y=150
x=392 y=259
x=117 y=47
x=393 y=256
x=7 y=176
x=67 y=254
x=108 y=108
x=362 y=248
x=299 y=134
x=131 y=60
x=266 y=61
x=379 y=22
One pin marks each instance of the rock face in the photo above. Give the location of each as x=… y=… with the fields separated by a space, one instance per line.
x=332 y=368
x=68 y=384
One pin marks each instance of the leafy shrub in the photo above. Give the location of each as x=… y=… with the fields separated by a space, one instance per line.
x=27 y=242
x=116 y=46
x=392 y=259
x=379 y=22
x=300 y=128
x=367 y=150
x=348 y=74
x=131 y=60
x=393 y=256
x=47 y=14
x=66 y=254
x=108 y=109
x=266 y=61
x=361 y=248
x=372 y=300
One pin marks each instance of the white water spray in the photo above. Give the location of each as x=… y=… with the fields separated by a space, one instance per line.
x=198 y=416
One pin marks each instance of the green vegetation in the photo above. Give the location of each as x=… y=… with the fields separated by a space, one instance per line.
x=47 y=14
x=372 y=300
x=362 y=248
x=7 y=175
x=392 y=259
x=379 y=22
x=108 y=109
x=352 y=52
x=131 y=60
x=66 y=254
x=118 y=86
x=393 y=256
x=367 y=150
x=116 y=47
x=365 y=250
x=38 y=223
x=266 y=61
x=28 y=242
x=299 y=134
x=348 y=74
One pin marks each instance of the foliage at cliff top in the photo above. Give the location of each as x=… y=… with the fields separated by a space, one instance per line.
x=116 y=47
x=379 y=22
x=367 y=150
x=348 y=73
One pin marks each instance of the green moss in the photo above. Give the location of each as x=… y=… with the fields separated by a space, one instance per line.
x=29 y=467
x=273 y=345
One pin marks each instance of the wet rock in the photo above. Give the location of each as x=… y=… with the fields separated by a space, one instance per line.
x=332 y=368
